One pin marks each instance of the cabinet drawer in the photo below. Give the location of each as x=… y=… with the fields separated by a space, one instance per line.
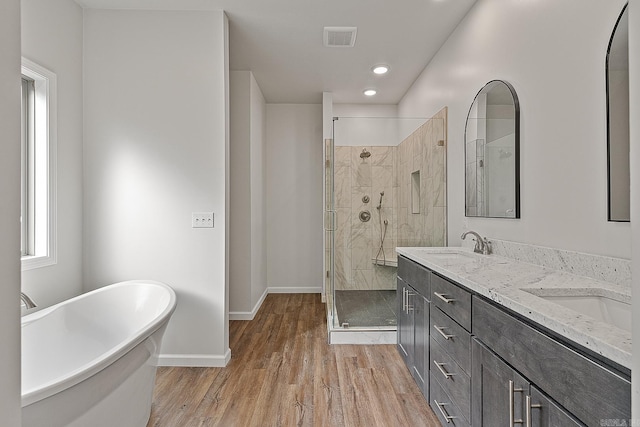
x=443 y=406
x=452 y=299
x=452 y=338
x=418 y=277
x=452 y=378
x=588 y=390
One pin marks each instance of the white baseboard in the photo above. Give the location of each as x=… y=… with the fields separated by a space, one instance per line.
x=249 y=315
x=295 y=290
x=195 y=360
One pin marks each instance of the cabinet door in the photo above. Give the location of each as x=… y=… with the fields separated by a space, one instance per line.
x=420 y=368
x=544 y=412
x=405 y=323
x=498 y=392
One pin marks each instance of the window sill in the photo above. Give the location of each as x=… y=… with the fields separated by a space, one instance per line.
x=33 y=262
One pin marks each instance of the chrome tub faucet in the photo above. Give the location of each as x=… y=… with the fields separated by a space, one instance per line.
x=28 y=302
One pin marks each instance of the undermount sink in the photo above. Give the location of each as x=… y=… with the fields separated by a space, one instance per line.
x=599 y=307
x=459 y=255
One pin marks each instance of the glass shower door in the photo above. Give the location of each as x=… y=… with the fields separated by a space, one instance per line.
x=329 y=228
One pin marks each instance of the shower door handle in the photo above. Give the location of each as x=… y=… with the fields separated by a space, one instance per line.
x=333 y=220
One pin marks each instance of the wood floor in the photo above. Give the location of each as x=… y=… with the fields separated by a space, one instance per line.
x=283 y=373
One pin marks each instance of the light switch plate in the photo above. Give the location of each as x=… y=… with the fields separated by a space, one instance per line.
x=202 y=220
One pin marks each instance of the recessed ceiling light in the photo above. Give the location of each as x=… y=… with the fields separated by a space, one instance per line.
x=380 y=69
x=370 y=92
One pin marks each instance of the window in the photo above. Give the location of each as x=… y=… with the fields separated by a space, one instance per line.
x=37 y=216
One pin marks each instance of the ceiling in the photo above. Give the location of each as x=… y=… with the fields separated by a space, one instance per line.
x=280 y=41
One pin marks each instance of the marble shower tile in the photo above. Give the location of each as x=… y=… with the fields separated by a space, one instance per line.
x=362 y=279
x=389 y=252
x=361 y=174
x=382 y=180
x=342 y=185
x=439 y=233
x=343 y=228
x=396 y=166
x=361 y=257
x=382 y=156
x=360 y=237
x=358 y=205
x=470 y=186
x=404 y=179
x=342 y=267
x=342 y=156
x=470 y=152
x=383 y=278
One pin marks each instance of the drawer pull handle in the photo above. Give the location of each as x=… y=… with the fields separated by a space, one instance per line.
x=528 y=409
x=444 y=298
x=440 y=367
x=513 y=390
x=444 y=335
x=446 y=416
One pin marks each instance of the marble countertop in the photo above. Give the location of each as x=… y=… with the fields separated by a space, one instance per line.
x=515 y=285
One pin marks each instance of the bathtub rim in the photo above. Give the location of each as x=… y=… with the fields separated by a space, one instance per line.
x=88 y=370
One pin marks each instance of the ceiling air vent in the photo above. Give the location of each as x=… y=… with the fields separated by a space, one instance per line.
x=340 y=36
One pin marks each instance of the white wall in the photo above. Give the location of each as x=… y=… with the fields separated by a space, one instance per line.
x=365 y=110
x=294 y=197
x=553 y=54
x=367 y=125
x=156 y=139
x=52 y=38
x=10 y=213
x=258 y=126
x=247 y=257
x=634 y=111
x=372 y=125
x=240 y=193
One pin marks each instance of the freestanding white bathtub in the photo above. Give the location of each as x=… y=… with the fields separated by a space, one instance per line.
x=91 y=360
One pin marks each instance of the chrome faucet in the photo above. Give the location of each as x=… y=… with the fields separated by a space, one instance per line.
x=28 y=302
x=482 y=244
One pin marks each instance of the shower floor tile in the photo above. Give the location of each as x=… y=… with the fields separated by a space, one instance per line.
x=363 y=308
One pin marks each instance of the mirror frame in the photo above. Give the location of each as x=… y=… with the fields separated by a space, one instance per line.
x=607 y=95
x=516 y=106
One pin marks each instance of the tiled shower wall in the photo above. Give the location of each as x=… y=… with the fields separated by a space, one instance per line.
x=356 y=241
x=422 y=214
x=415 y=210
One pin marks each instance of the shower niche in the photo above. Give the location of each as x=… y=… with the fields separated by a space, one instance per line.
x=394 y=170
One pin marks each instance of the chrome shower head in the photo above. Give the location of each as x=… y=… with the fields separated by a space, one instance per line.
x=365 y=154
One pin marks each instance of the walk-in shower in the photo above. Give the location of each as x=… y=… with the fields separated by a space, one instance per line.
x=384 y=187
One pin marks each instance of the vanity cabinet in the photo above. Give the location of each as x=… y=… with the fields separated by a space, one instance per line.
x=479 y=364
x=413 y=320
x=450 y=323
x=503 y=397
x=587 y=390
x=546 y=413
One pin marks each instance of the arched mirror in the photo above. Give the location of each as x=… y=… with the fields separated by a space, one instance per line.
x=492 y=153
x=617 y=71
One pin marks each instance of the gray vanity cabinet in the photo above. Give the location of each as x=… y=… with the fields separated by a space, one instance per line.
x=405 y=322
x=546 y=413
x=587 y=390
x=498 y=390
x=478 y=364
x=450 y=351
x=413 y=320
x=503 y=397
